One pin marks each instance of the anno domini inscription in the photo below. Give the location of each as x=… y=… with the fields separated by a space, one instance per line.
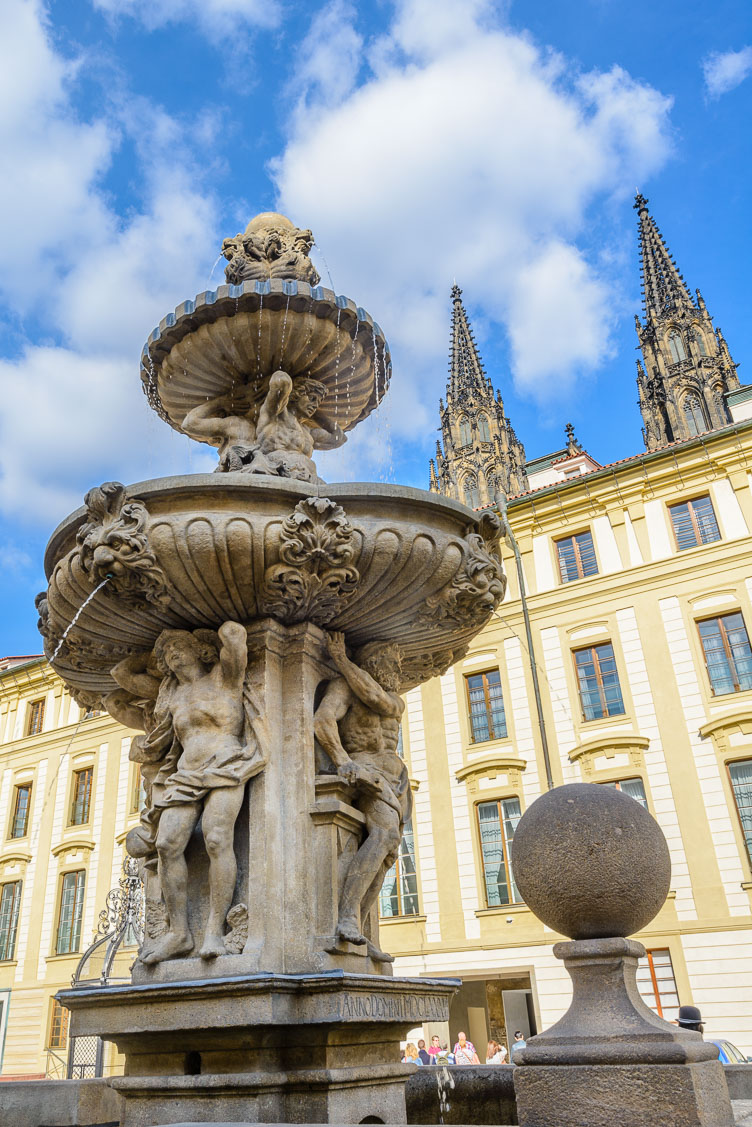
x=394 y=1007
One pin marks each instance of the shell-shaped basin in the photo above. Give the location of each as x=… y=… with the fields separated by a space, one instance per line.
x=379 y=562
x=237 y=336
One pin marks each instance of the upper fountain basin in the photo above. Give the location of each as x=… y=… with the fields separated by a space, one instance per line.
x=379 y=562
x=237 y=336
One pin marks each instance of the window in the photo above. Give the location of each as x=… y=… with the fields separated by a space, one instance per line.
x=19 y=822
x=399 y=892
x=633 y=787
x=35 y=718
x=694 y=413
x=71 y=910
x=470 y=492
x=483 y=429
x=81 y=799
x=466 y=434
x=497 y=822
x=10 y=902
x=700 y=343
x=58 y=1026
x=486 y=706
x=598 y=682
x=727 y=654
x=576 y=556
x=694 y=523
x=656 y=983
x=676 y=346
x=400 y=749
x=138 y=797
x=740 y=774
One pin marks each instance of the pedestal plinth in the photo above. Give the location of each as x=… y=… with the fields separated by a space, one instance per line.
x=261 y=1048
x=611 y=1059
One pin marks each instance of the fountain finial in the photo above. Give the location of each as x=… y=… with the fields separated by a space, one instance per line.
x=270 y=247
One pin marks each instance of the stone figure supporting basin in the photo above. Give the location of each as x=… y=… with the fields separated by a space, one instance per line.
x=258 y=627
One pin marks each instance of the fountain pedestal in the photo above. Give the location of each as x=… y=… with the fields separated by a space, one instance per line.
x=295 y=834
x=262 y=1048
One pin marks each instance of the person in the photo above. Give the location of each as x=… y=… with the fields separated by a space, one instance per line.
x=690 y=1018
x=357 y=725
x=519 y=1042
x=495 y=1053
x=288 y=428
x=434 y=1048
x=205 y=739
x=411 y=1054
x=464 y=1051
x=422 y=1053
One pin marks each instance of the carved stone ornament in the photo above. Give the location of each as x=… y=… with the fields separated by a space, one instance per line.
x=237 y=921
x=422 y=667
x=480 y=583
x=156 y=919
x=113 y=544
x=270 y=247
x=315 y=576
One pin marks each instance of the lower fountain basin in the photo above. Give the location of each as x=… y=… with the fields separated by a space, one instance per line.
x=379 y=562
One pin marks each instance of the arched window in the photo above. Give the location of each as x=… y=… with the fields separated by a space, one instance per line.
x=483 y=429
x=700 y=343
x=676 y=344
x=466 y=434
x=694 y=413
x=470 y=492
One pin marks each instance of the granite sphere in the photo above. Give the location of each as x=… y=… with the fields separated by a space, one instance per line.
x=591 y=862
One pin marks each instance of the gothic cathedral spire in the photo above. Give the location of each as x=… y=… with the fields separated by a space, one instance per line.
x=481 y=454
x=686 y=368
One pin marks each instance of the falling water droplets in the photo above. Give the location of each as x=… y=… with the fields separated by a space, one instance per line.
x=214 y=267
x=77 y=615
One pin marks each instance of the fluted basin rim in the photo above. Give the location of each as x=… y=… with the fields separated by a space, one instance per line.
x=241 y=483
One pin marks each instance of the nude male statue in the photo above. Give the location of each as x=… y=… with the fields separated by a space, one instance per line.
x=217 y=422
x=205 y=740
x=286 y=432
x=357 y=724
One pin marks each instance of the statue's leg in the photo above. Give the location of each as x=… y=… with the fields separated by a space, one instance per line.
x=176 y=825
x=221 y=809
x=383 y=838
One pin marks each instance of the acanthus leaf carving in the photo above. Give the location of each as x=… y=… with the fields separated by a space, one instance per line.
x=316 y=575
x=113 y=544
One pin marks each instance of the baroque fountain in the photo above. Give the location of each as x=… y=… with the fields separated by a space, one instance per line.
x=258 y=627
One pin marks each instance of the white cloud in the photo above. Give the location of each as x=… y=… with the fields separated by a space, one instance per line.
x=94 y=281
x=469 y=152
x=217 y=19
x=724 y=71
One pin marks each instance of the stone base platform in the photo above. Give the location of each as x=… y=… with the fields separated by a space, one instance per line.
x=261 y=1048
x=640 y=1095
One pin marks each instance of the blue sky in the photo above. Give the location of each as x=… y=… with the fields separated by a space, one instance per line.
x=423 y=141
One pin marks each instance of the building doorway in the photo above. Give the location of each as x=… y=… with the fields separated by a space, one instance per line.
x=493 y=1009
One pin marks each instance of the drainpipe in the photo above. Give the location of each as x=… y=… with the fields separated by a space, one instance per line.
x=501 y=504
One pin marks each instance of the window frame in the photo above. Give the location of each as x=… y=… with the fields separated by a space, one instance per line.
x=75 y=779
x=12 y=934
x=58 y=1010
x=649 y=952
x=77 y=898
x=506 y=853
x=681 y=350
x=487 y=701
x=14 y=810
x=578 y=555
x=747 y=845
x=397 y=866
x=689 y=501
x=34 y=727
x=690 y=415
x=616 y=783
x=726 y=649
x=461 y=424
x=483 y=418
x=605 y=715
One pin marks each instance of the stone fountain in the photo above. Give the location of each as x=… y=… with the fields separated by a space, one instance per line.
x=258 y=627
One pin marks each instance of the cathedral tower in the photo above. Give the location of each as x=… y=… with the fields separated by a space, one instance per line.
x=481 y=454
x=686 y=368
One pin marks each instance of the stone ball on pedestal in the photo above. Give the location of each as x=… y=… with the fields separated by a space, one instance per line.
x=591 y=862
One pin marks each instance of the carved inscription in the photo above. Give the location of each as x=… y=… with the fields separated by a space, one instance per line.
x=394 y=1007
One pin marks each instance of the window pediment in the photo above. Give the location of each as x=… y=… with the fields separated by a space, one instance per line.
x=489 y=768
x=734 y=730
x=610 y=752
